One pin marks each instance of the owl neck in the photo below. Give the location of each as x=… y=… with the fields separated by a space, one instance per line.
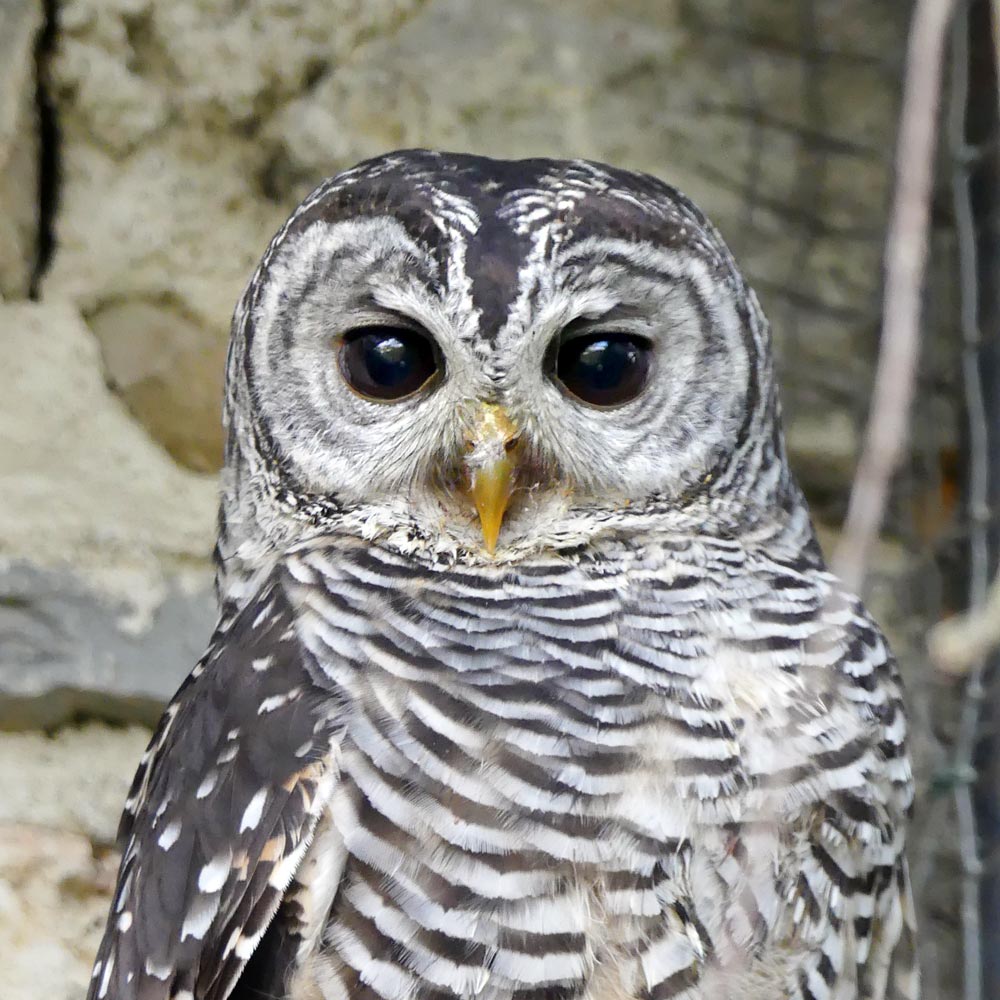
x=255 y=535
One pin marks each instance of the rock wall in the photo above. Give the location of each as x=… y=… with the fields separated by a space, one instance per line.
x=157 y=146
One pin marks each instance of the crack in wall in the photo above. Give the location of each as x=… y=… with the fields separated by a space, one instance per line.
x=49 y=166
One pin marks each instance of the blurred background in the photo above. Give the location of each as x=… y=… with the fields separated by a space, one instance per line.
x=149 y=150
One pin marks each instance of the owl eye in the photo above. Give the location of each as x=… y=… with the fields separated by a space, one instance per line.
x=386 y=362
x=603 y=369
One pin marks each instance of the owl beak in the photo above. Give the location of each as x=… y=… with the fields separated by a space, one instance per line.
x=491 y=468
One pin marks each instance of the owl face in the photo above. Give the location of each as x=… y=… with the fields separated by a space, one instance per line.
x=485 y=357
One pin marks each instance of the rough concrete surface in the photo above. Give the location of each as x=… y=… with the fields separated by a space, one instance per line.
x=74 y=780
x=105 y=584
x=59 y=809
x=83 y=485
x=67 y=651
x=54 y=896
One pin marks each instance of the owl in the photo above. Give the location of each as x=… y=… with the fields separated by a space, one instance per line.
x=530 y=682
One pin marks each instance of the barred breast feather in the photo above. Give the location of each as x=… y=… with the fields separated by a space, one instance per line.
x=675 y=771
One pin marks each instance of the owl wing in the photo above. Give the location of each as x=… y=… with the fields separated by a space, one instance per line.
x=887 y=940
x=897 y=951
x=852 y=883
x=221 y=812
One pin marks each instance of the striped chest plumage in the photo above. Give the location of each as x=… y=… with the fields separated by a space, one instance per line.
x=567 y=779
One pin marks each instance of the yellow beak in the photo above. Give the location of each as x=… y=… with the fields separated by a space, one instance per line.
x=491 y=467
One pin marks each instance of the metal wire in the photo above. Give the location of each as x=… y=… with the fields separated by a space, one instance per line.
x=978 y=480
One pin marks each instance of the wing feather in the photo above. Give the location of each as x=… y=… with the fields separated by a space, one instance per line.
x=856 y=865
x=221 y=812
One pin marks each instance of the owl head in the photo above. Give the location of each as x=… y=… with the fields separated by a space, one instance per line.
x=474 y=359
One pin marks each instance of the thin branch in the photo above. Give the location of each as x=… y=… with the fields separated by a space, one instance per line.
x=905 y=260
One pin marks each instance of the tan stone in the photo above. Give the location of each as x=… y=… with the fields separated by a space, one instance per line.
x=162 y=365
x=82 y=484
x=75 y=780
x=54 y=896
x=20 y=22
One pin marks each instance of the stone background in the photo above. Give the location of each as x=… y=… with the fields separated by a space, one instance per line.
x=147 y=153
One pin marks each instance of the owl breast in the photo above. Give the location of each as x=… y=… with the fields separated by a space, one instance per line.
x=562 y=781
